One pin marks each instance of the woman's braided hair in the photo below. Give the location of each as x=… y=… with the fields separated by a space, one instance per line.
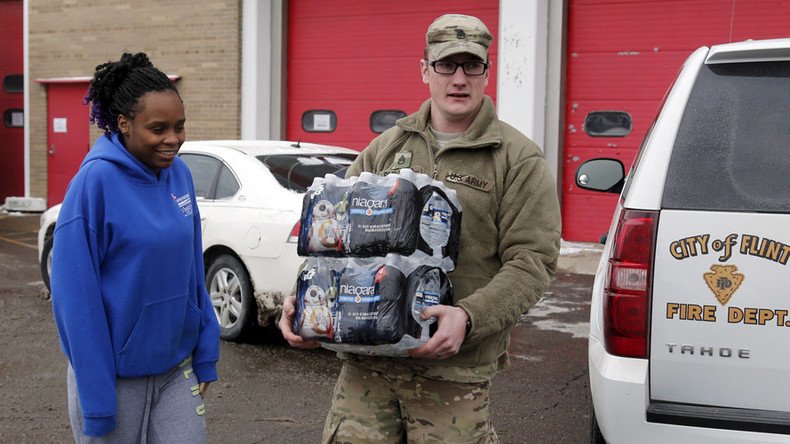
x=117 y=87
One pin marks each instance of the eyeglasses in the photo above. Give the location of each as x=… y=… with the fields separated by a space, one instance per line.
x=448 y=67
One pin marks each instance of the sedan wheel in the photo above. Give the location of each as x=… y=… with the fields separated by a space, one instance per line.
x=231 y=295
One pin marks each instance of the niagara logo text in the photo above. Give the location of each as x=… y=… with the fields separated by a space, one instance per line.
x=352 y=293
x=355 y=290
x=360 y=205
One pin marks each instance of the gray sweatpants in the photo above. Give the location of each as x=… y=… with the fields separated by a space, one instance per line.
x=166 y=408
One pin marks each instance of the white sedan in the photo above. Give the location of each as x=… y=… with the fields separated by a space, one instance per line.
x=250 y=198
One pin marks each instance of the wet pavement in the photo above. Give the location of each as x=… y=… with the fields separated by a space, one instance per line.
x=271 y=393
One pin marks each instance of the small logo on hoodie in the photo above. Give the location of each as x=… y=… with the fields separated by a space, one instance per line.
x=184 y=203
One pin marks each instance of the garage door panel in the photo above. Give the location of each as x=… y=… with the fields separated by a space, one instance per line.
x=395 y=79
x=642 y=26
x=12 y=165
x=590 y=216
x=315 y=33
x=357 y=56
x=630 y=76
x=761 y=19
x=339 y=8
x=316 y=39
x=642 y=113
x=623 y=55
x=356 y=136
x=327 y=30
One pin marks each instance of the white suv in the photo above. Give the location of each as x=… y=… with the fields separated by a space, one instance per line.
x=690 y=320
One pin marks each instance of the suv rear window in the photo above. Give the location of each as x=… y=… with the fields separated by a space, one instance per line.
x=732 y=151
x=297 y=171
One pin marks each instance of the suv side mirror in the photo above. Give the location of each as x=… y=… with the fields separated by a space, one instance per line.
x=606 y=175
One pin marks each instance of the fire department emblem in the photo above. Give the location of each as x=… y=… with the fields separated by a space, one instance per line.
x=723 y=280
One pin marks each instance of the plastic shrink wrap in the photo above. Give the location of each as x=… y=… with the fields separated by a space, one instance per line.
x=369 y=305
x=324 y=218
x=379 y=249
x=370 y=215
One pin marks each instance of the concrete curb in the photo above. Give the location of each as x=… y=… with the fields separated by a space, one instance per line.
x=579 y=257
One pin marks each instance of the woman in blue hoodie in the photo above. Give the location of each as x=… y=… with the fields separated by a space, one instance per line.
x=128 y=286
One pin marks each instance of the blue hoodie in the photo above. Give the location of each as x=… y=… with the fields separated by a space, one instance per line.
x=127 y=279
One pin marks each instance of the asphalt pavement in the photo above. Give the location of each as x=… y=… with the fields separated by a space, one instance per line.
x=271 y=393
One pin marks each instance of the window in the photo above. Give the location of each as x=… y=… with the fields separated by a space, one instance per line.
x=14 y=118
x=296 y=172
x=382 y=120
x=14 y=83
x=319 y=121
x=731 y=151
x=607 y=124
x=204 y=173
x=227 y=185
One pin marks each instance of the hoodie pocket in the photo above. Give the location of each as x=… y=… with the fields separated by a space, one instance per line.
x=161 y=330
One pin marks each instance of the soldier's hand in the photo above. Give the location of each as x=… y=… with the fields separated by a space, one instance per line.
x=449 y=334
x=286 y=321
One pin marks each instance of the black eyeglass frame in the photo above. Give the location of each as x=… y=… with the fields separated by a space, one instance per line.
x=463 y=65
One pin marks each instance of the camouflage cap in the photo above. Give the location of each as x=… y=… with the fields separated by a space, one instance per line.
x=455 y=33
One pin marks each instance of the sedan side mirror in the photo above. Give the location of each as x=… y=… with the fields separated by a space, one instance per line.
x=605 y=175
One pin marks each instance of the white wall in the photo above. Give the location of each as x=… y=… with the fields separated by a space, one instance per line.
x=262 y=35
x=521 y=79
x=529 y=71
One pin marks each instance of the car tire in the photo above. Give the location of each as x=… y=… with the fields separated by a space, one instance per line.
x=596 y=437
x=46 y=261
x=229 y=287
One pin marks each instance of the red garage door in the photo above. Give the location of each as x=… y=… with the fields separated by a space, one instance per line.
x=622 y=57
x=12 y=160
x=353 y=65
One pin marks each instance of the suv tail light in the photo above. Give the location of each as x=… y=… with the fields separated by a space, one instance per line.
x=294 y=236
x=627 y=292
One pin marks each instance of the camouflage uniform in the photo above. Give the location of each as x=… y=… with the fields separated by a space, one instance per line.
x=369 y=405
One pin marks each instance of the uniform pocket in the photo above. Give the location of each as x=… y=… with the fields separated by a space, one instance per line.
x=152 y=346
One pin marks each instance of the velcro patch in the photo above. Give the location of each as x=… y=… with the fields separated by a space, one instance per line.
x=401 y=160
x=415 y=168
x=469 y=180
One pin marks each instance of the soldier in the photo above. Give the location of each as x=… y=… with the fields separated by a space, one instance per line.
x=510 y=237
